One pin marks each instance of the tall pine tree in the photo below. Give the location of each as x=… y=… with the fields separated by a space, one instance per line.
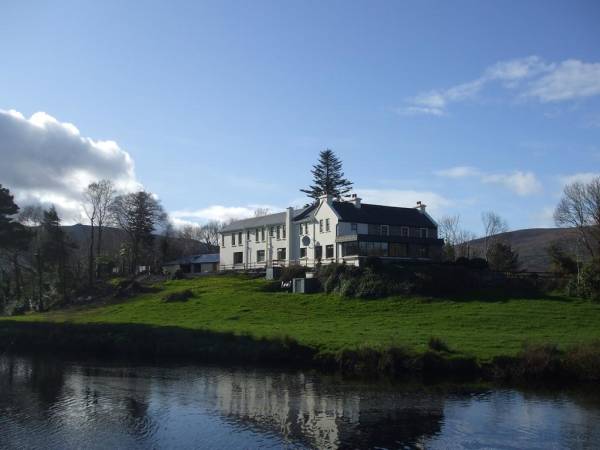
x=328 y=177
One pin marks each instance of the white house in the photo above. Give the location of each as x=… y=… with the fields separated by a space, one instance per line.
x=330 y=230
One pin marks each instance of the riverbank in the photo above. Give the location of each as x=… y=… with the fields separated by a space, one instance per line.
x=235 y=319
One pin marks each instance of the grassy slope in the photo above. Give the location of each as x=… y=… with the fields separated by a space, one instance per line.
x=483 y=329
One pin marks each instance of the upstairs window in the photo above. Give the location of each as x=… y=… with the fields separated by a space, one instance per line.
x=232 y=239
x=354 y=227
x=278 y=232
x=262 y=234
x=256 y=235
x=422 y=232
x=247 y=235
x=223 y=240
x=385 y=230
x=321 y=226
x=283 y=232
x=404 y=232
x=240 y=238
x=281 y=253
x=326 y=224
x=272 y=232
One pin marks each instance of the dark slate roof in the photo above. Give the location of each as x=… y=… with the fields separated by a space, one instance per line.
x=385 y=215
x=195 y=259
x=269 y=219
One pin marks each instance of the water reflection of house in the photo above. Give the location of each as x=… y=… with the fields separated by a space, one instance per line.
x=325 y=415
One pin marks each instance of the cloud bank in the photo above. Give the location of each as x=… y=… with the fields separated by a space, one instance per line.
x=529 y=77
x=45 y=161
x=519 y=182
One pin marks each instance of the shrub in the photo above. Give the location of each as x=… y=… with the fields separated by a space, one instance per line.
x=371 y=285
x=178 y=296
x=292 y=271
x=177 y=275
x=437 y=344
x=583 y=361
x=348 y=287
x=539 y=361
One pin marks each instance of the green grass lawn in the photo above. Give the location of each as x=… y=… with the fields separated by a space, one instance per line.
x=479 y=328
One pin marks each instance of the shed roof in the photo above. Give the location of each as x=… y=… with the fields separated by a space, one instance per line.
x=194 y=259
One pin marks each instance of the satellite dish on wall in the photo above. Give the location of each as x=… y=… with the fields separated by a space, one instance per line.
x=306 y=240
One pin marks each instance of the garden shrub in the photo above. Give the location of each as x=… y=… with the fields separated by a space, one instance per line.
x=437 y=344
x=292 y=271
x=178 y=296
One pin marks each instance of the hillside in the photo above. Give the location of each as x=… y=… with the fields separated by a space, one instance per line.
x=532 y=245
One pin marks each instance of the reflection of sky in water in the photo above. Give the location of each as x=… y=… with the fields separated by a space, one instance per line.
x=48 y=404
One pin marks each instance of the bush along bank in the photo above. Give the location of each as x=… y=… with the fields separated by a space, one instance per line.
x=535 y=363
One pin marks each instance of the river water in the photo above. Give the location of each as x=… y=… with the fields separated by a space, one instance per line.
x=56 y=404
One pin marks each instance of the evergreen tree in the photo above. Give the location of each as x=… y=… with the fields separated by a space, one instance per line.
x=328 y=177
x=14 y=239
x=55 y=249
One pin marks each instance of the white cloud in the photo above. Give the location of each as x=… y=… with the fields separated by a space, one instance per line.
x=217 y=212
x=548 y=82
x=458 y=172
x=46 y=161
x=405 y=198
x=570 y=79
x=522 y=183
x=582 y=177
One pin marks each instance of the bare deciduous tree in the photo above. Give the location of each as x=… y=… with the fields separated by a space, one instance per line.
x=260 y=212
x=97 y=200
x=456 y=239
x=493 y=225
x=579 y=208
x=209 y=233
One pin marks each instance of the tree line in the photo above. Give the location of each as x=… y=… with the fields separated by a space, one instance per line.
x=41 y=265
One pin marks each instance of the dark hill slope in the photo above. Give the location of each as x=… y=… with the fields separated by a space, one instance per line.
x=532 y=245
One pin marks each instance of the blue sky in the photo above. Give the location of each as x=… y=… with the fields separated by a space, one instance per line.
x=218 y=107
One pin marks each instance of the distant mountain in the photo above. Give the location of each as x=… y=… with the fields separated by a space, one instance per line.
x=532 y=245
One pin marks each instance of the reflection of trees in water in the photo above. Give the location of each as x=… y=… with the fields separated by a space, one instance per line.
x=324 y=413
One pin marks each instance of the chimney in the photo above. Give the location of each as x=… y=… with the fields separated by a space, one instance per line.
x=355 y=200
x=421 y=206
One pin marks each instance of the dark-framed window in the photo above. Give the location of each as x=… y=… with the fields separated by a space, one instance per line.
x=278 y=232
x=404 y=232
x=247 y=235
x=318 y=252
x=321 y=225
x=349 y=248
x=238 y=257
x=374 y=229
x=232 y=239
x=398 y=250
x=327 y=225
x=329 y=251
x=385 y=230
x=223 y=240
x=240 y=238
x=422 y=232
x=354 y=227
x=373 y=248
x=423 y=251
x=281 y=253
x=272 y=232
x=256 y=234
x=260 y=255
x=302 y=252
x=262 y=234
x=283 y=232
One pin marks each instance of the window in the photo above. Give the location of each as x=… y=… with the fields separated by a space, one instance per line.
x=321 y=225
x=272 y=232
x=262 y=234
x=256 y=235
x=232 y=239
x=329 y=251
x=302 y=252
x=283 y=232
x=301 y=229
x=398 y=250
x=306 y=228
x=349 y=248
x=422 y=232
x=223 y=240
x=423 y=251
x=260 y=256
x=373 y=248
x=404 y=232
x=238 y=257
x=385 y=230
x=318 y=252
x=247 y=235
x=374 y=229
x=354 y=227
x=278 y=232
x=326 y=224
x=281 y=253
x=240 y=238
